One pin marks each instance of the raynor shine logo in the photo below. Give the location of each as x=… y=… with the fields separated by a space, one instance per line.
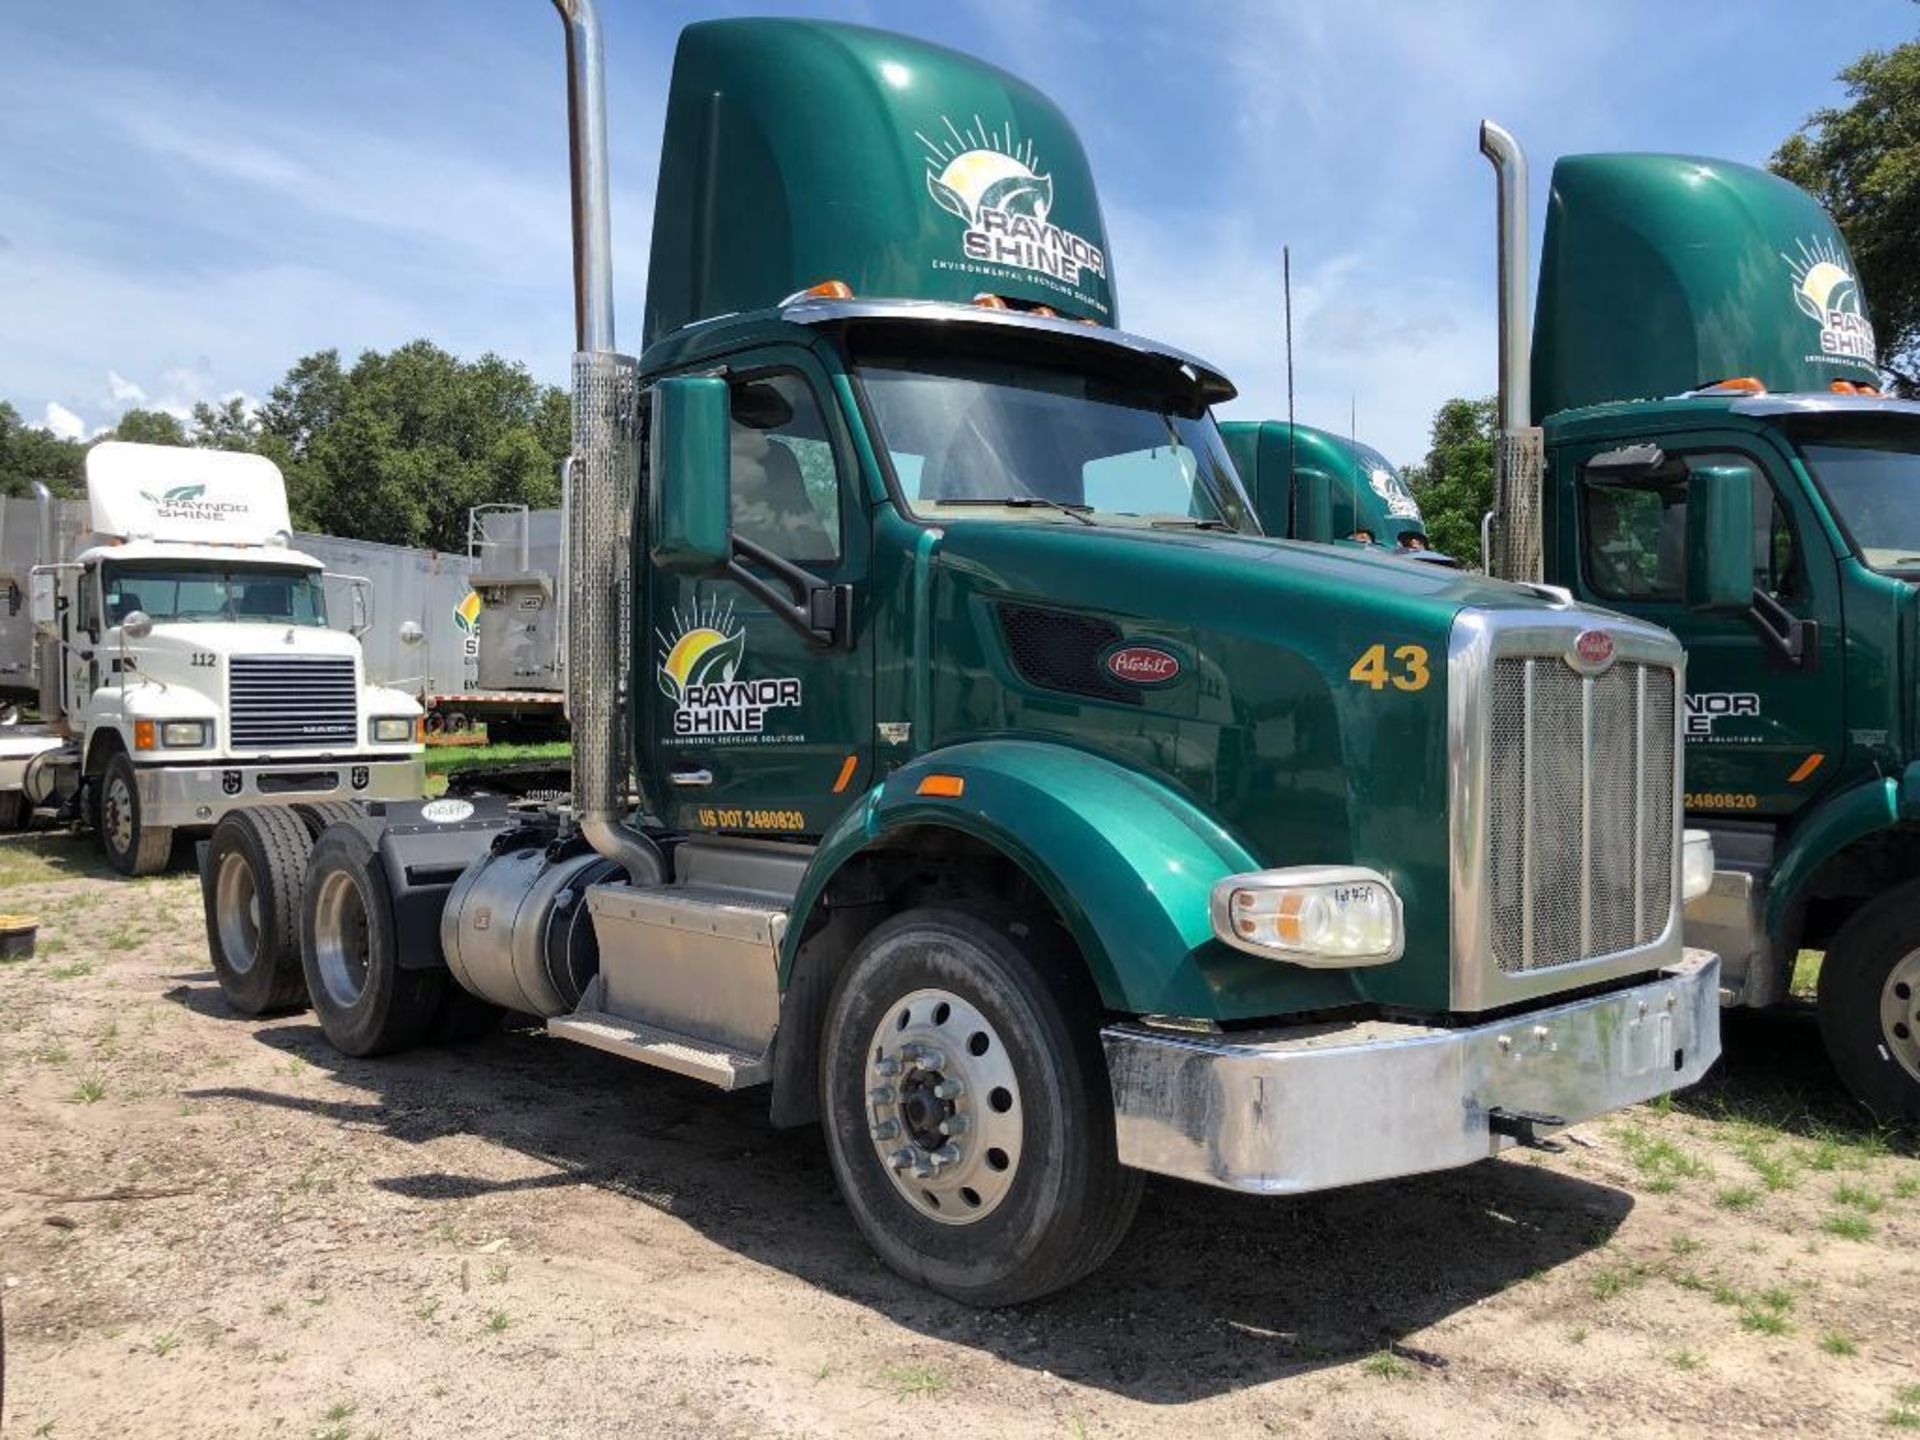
x=699 y=672
x=993 y=185
x=189 y=502
x=1825 y=288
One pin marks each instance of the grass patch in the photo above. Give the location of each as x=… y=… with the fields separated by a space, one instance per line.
x=1906 y=1187
x=1775 y=1171
x=1684 y=1245
x=1616 y=1280
x=166 y=1344
x=1903 y=1417
x=445 y=759
x=78 y=970
x=1847 y=1227
x=1858 y=1197
x=1387 y=1365
x=1835 y=1343
x=1737 y=1197
x=1685 y=1360
x=498 y=1321
x=1765 y=1322
x=90 y=1090
x=1806 y=974
x=1661 y=1163
x=914 y=1382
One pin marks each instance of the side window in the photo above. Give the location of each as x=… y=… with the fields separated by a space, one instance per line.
x=1635 y=534
x=786 y=486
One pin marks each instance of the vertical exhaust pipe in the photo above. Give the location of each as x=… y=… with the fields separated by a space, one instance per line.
x=604 y=471
x=1511 y=532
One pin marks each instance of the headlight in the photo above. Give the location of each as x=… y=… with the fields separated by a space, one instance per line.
x=186 y=734
x=1330 y=916
x=1696 y=864
x=390 y=729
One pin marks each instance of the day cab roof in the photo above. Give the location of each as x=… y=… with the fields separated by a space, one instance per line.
x=1684 y=412
x=239 y=557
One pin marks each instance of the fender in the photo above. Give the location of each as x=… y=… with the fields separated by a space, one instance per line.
x=1128 y=862
x=1839 y=822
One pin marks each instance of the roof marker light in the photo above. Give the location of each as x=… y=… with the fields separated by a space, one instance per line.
x=990 y=302
x=825 y=290
x=1734 y=385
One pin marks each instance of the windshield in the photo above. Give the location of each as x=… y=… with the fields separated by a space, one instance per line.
x=1871 y=478
x=984 y=435
x=176 y=591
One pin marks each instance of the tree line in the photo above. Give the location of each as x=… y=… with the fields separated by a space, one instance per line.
x=394 y=447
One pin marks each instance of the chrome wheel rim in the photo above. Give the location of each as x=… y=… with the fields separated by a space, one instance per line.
x=116 y=814
x=943 y=1107
x=236 y=905
x=1900 y=1013
x=340 y=942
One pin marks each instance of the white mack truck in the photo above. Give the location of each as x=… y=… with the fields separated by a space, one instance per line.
x=185 y=666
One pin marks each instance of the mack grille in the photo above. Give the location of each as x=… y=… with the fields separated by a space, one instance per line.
x=277 y=703
x=1581 y=810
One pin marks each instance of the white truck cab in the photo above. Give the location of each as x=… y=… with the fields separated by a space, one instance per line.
x=185 y=662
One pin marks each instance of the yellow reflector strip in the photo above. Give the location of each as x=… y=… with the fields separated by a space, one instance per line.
x=1807 y=767
x=851 y=764
x=951 y=787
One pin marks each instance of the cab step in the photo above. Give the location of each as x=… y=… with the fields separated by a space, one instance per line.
x=663 y=1049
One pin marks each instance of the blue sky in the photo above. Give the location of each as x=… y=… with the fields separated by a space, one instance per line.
x=194 y=195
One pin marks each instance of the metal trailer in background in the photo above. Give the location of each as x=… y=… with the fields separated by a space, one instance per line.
x=427 y=588
x=515 y=682
x=19 y=552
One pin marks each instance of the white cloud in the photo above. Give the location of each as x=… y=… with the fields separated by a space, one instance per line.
x=63 y=422
x=122 y=391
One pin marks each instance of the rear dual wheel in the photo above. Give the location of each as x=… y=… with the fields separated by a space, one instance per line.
x=967 y=1108
x=255 y=873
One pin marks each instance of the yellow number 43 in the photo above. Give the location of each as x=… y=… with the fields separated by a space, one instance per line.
x=1371 y=668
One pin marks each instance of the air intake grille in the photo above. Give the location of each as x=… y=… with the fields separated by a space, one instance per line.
x=285 y=703
x=1581 y=810
x=1058 y=650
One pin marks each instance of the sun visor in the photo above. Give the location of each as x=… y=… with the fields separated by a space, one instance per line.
x=798 y=152
x=1663 y=273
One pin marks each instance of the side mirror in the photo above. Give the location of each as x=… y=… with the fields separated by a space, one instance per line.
x=1312 y=506
x=43 y=602
x=1719 y=537
x=690 y=484
x=136 y=625
x=411 y=633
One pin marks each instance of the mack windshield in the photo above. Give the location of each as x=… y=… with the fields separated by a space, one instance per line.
x=171 y=593
x=992 y=437
x=1872 y=480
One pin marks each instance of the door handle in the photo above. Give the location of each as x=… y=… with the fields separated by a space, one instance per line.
x=692 y=777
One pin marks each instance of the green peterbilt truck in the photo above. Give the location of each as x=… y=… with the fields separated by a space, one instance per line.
x=1764 y=511
x=1309 y=484
x=953 y=755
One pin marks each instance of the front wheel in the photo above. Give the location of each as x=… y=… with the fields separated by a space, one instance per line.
x=1870 y=1004
x=967 y=1108
x=133 y=846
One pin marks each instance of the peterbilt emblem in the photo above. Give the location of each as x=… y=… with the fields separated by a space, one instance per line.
x=1592 y=651
x=1143 y=665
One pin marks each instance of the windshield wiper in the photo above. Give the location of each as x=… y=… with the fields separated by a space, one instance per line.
x=1025 y=502
x=1183 y=522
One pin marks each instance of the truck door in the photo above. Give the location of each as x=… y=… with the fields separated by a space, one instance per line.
x=1762 y=737
x=754 y=728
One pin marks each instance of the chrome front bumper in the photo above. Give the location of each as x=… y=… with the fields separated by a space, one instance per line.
x=178 y=795
x=1315 y=1107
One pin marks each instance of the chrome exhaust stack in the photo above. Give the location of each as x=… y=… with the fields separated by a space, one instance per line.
x=1510 y=534
x=604 y=471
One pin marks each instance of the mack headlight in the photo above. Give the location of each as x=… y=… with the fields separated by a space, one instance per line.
x=390 y=729
x=186 y=734
x=1329 y=916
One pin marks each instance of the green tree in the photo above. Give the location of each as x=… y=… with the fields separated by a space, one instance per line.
x=226 y=426
x=1455 y=483
x=1862 y=161
x=148 y=427
x=29 y=453
x=397 y=447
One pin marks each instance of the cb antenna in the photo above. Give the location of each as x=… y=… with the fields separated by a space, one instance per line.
x=1286 y=290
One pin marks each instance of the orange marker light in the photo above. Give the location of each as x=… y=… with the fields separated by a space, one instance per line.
x=989 y=302
x=846 y=773
x=1806 y=768
x=1844 y=387
x=830 y=290
x=1737 y=385
x=419 y=729
x=145 y=735
x=948 y=787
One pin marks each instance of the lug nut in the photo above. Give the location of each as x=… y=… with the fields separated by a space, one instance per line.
x=927 y=1058
x=954 y=1125
x=880 y=1095
x=948 y=1154
x=949 y=1090
x=888 y=1067
x=901 y=1158
x=886 y=1130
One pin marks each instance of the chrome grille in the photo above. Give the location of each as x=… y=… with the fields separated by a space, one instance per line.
x=279 y=702
x=1581 y=823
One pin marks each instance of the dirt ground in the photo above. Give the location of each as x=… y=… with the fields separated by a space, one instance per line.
x=211 y=1226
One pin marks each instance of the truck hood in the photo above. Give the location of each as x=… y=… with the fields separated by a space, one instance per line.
x=1296 y=692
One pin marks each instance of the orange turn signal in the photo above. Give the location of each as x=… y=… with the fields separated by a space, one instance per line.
x=419 y=729
x=145 y=735
x=830 y=290
x=949 y=787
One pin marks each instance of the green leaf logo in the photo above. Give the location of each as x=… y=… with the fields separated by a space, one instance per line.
x=183 y=493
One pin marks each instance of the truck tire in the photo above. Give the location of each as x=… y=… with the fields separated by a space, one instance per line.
x=1870 y=1004
x=133 y=847
x=319 y=814
x=256 y=873
x=973 y=1016
x=14 y=810
x=366 y=1003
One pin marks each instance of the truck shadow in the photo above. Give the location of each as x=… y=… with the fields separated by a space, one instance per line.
x=1210 y=1292
x=31 y=857
x=1774 y=1073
